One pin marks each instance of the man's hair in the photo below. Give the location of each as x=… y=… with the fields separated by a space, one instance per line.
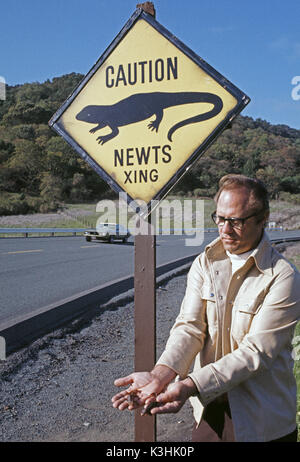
x=258 y=194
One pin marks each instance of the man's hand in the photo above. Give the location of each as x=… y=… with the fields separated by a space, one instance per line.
x=144 y=387
x=176 y=394
x=136 y=380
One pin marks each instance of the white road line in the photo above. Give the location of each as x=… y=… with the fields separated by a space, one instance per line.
x=87 y=246
x=22 y=251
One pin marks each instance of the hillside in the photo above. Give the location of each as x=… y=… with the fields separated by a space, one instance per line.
x=39 y=171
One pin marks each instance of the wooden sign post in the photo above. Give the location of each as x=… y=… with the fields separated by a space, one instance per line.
x=145 y=319
x=145 y=306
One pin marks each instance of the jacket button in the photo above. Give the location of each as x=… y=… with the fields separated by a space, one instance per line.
x=217 y=272
x=220 y=297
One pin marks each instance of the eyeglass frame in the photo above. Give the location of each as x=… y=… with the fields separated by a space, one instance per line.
x=214 y=215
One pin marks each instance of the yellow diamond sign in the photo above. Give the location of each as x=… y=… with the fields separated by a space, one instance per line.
x=146 y=111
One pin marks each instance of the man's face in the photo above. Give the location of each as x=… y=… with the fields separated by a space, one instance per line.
x=235 y=204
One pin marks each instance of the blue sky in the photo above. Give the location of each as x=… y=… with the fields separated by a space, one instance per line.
x=255 y=44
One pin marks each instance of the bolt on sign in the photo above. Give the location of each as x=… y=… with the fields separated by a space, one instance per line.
x=146 y=111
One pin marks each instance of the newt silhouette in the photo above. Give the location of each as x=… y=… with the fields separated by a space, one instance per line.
x=141 y=106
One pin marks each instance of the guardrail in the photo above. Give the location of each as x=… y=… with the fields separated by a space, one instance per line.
x=52 y=231
x=284 y=239
x=26 y=232
x=74 y=231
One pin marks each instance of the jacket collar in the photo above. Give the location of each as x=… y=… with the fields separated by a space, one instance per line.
x=261 y=255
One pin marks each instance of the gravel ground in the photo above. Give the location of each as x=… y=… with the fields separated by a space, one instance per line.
x=60 y=388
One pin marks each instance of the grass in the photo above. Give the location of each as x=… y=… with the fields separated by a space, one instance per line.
x=296 y=261
x=84 y=215
x=297 y=375
x=175 y=219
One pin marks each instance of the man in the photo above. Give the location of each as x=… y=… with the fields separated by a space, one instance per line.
x=237 y=321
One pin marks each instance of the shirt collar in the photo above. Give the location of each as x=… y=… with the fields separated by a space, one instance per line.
x=261 y=255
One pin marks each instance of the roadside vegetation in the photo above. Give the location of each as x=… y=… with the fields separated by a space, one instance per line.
x=40 y=172
x=297 y=371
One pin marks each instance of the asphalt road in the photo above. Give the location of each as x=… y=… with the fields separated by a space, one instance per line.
x=36 y=272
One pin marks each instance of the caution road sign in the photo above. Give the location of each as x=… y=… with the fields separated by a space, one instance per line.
x=146 y=111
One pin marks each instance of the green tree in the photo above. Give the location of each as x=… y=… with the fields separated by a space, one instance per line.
x=271 y=179
x=51 y=192
x=27 y=163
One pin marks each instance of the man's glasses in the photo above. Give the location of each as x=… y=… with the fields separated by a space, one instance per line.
x=237 y=223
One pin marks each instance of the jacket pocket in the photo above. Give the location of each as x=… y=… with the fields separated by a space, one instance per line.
x=243 y=312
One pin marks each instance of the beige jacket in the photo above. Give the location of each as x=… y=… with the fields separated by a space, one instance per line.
x=239 y=329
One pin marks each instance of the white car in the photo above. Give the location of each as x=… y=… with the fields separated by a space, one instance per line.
x=108 y=232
